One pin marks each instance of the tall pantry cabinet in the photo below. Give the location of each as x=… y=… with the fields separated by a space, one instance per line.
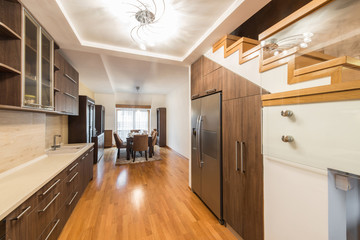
x=241 y=147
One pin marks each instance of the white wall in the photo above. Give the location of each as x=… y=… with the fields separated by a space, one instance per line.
x=155 y=100
x=110 y=100
x=177 y=119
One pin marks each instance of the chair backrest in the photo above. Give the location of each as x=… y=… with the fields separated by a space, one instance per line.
x=153 y=135
x=118 y=140
x=134 y=131
x=140 y=143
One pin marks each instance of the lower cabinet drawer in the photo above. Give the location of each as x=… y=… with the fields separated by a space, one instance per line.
x=324 y=134
x=71 y=202
x=45 y=213
x=70 y=184
x=53 y=230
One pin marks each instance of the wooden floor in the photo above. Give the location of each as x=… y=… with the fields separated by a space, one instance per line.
x=142 y=201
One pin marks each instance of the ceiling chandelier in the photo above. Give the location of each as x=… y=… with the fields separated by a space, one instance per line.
x=147 y=14
x=276 y=47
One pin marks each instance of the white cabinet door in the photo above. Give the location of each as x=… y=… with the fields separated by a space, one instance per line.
x=295 y=201
x=325 y=134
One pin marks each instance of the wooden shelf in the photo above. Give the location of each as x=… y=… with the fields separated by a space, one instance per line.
x=6 y=31
x=28 y=109
x=56 y=89
x=6 y=68
x=31 y=48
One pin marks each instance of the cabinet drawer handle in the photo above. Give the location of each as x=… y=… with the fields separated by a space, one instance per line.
x=195 y=95
x=242 y=144
x=92 y=150
x=286 y=113
x=57 y=222
x=70 y=78
x=83 y=158
x=86 y=155
x=72 y=168
x=287 y=138
x=69 y=95
x=236 y=155
x=21 y=214
x=73 y=198
x=210 y=91
x=48 y=205
x=73 y=177
x=51 y=187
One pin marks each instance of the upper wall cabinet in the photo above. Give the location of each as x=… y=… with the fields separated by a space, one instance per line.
x=38 y=65
x=205 y=77
x=66 y=87
x=10 y=53
x=29 y=66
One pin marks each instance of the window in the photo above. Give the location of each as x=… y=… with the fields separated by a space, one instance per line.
x=131 y=118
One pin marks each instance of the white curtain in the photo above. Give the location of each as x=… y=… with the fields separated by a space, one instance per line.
x=131 y=118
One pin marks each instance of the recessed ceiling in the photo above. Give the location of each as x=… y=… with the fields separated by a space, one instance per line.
x=109 y=22
x=95 y=36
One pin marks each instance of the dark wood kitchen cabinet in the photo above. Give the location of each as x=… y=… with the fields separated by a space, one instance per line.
x=99 y=119
x=99 y=146
x=66 y=86
x=82 y=127
x=212 y=82
x=197 y=78
x=243 y=167
x=206 y=77
x=44 y=214
x=10 y=49
x=161 y=126
x=241 y=140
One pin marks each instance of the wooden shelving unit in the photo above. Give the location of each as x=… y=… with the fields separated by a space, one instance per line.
x=6 y=68
x=10 y=57
x=8 y=32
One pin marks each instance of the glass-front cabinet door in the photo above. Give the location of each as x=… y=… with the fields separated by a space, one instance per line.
x=31 y=58
x=38 y=65
x=46 y=71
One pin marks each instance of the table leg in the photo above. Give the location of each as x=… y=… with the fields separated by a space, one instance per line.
x=128 y=150
x=151 y=149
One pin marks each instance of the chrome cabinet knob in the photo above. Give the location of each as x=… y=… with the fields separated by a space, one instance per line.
x=286 y=113
x=287 y=138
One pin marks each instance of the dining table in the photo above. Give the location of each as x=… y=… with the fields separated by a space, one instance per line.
x=129 y=141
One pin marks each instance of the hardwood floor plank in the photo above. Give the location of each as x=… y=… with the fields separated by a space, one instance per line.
x=144 y=201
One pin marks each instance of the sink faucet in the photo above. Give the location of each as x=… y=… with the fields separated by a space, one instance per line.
x=54 y=147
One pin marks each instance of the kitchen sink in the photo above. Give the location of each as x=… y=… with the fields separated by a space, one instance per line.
x=67 y=149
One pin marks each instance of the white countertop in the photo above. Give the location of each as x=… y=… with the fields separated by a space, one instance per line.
x=17 y=185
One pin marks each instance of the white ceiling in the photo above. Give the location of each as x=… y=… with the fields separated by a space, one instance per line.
x=95 y=37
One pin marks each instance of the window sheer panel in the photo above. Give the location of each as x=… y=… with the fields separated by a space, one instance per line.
x=128 y=119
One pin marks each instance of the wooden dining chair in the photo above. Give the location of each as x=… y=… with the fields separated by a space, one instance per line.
x=119 y=143
x=140 y=144
x=153 y=142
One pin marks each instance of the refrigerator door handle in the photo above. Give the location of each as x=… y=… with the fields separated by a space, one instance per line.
x=236 y=155
x=242 y=156
x=199 y=142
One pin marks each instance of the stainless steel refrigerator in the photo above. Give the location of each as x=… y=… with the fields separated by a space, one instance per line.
x=206 y=164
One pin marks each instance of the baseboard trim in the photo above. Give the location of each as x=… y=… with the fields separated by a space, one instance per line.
x=234 y=232
x=176 y=152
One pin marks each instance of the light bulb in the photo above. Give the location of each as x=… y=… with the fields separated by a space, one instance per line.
x=262 y=43
x=285 y=52
x=276 y=53
x=308 y=34
x=303 y=45
x=307 y=40
x=142 y=46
